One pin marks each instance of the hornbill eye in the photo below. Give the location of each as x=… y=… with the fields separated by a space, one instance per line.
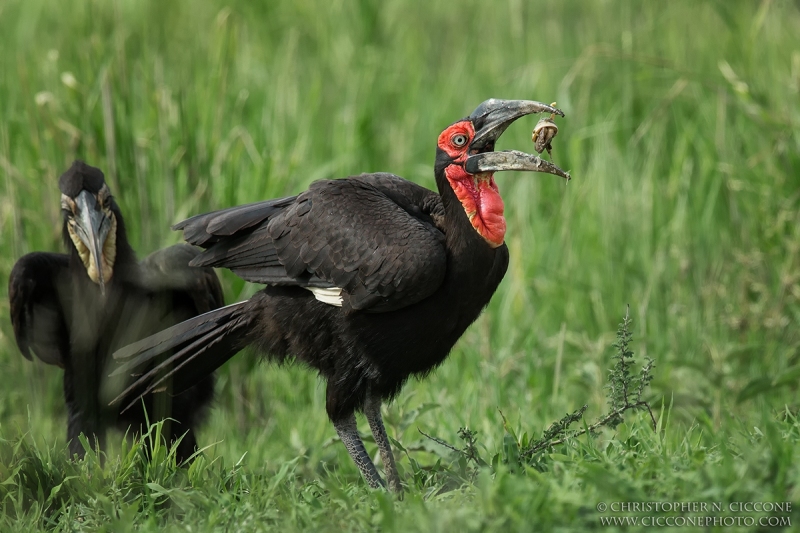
x=459 y=140
x=68 y=205
x=104 y=197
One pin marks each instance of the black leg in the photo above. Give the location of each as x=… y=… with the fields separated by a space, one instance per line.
x=348 y=432
x=187 y=446
x=77 y=423
x=372 y=410
x=82 y=417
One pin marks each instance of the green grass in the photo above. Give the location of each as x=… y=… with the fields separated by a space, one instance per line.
x=683 y=137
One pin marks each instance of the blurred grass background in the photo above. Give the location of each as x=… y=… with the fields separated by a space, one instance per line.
x=682 y=135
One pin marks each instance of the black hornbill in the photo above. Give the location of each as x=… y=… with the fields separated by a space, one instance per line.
x=370 y=279
x=74 y=310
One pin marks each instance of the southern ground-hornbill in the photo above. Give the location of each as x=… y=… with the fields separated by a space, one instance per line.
x=74 y=310
x=370 y=279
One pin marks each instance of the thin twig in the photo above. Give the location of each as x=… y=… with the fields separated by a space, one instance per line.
x=589 y=429
x=440 y=441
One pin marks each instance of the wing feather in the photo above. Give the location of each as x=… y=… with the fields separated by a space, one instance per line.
x=169 y=269
x=377 y=237
x=38 y=295
x=380 y=252
x=208 y=228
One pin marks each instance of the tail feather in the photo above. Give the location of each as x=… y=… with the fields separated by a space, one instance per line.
x=144 y=350
x=207 y=341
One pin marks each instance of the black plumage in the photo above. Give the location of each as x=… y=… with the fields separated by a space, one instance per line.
x=370 y=279
x=74 y=310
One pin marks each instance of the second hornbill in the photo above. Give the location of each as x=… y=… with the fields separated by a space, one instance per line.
x=370 y=279
x=74 y=310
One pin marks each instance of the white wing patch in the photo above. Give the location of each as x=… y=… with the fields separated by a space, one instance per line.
x=330 y=296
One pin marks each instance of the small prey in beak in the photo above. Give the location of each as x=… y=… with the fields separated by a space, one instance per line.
x=544 y=132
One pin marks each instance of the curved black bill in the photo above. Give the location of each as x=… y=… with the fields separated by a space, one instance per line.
x=493 y=116
x=92 y=228
x=510 y=160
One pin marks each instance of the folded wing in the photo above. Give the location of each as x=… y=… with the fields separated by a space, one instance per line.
x=373 y=236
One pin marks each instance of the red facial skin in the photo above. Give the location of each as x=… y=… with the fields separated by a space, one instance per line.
x=478 y=193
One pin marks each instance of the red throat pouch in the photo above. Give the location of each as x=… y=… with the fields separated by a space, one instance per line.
x=482 y=202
